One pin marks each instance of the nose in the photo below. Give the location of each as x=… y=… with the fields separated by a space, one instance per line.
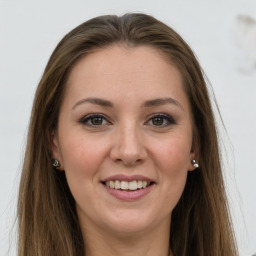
x=128 y=147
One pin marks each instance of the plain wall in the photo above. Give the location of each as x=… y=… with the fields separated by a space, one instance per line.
x=223 y=36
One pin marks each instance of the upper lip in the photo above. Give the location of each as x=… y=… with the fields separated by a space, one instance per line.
x=127 y=178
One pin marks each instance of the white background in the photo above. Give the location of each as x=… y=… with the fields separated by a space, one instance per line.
x=221 y=32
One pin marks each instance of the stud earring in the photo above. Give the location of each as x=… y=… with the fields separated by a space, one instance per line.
x=55 y=163
x=196 y=165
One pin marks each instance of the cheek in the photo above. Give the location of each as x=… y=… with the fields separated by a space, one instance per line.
x=82 y=161
x=173 y=160
x=174 y=155
x=81 y=157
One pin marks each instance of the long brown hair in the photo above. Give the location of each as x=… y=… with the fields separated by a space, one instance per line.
x=48 y=223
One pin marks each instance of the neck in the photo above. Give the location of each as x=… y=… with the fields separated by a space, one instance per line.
x=145 y=243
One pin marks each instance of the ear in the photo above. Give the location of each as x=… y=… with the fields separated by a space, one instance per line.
x=194 y=156
x=55 y=150
x=193 y=164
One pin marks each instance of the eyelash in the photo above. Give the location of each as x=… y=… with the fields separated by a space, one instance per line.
x=84 y=120
x=167 y=118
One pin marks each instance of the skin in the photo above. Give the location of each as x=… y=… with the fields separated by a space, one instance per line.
x=126 y=140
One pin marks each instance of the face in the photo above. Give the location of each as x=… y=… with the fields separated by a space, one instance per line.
x=124 y=139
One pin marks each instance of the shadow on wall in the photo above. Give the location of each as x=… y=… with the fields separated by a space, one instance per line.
x=245 y=40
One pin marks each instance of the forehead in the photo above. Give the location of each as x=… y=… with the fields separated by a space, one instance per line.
x=118 y=57
x=118 y=71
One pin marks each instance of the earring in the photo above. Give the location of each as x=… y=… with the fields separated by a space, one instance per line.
x=196 y=165
x=55 y=163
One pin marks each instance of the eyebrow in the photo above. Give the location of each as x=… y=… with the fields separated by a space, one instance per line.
x=161 y=101
x=96 y=101
x=149 y=103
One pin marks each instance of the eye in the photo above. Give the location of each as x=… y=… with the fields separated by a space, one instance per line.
x=161 y=120
x=94 y=120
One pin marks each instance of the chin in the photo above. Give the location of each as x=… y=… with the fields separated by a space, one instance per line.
x=128 y=222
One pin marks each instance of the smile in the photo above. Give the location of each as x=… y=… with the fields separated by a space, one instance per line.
x=127 y=185
x=128 y=188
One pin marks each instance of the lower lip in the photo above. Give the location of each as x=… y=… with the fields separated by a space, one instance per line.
x=129 y=195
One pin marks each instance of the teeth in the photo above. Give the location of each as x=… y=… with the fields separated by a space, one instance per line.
x=144 y=183
x=112 y=184
x=125 y=185
x=139 y=184
x=117 y=184
x=133 y=185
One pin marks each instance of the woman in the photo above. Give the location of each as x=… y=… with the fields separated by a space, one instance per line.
x=122 y=155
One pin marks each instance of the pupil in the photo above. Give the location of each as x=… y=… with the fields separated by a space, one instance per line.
x=158 y=121
x=97 y=120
